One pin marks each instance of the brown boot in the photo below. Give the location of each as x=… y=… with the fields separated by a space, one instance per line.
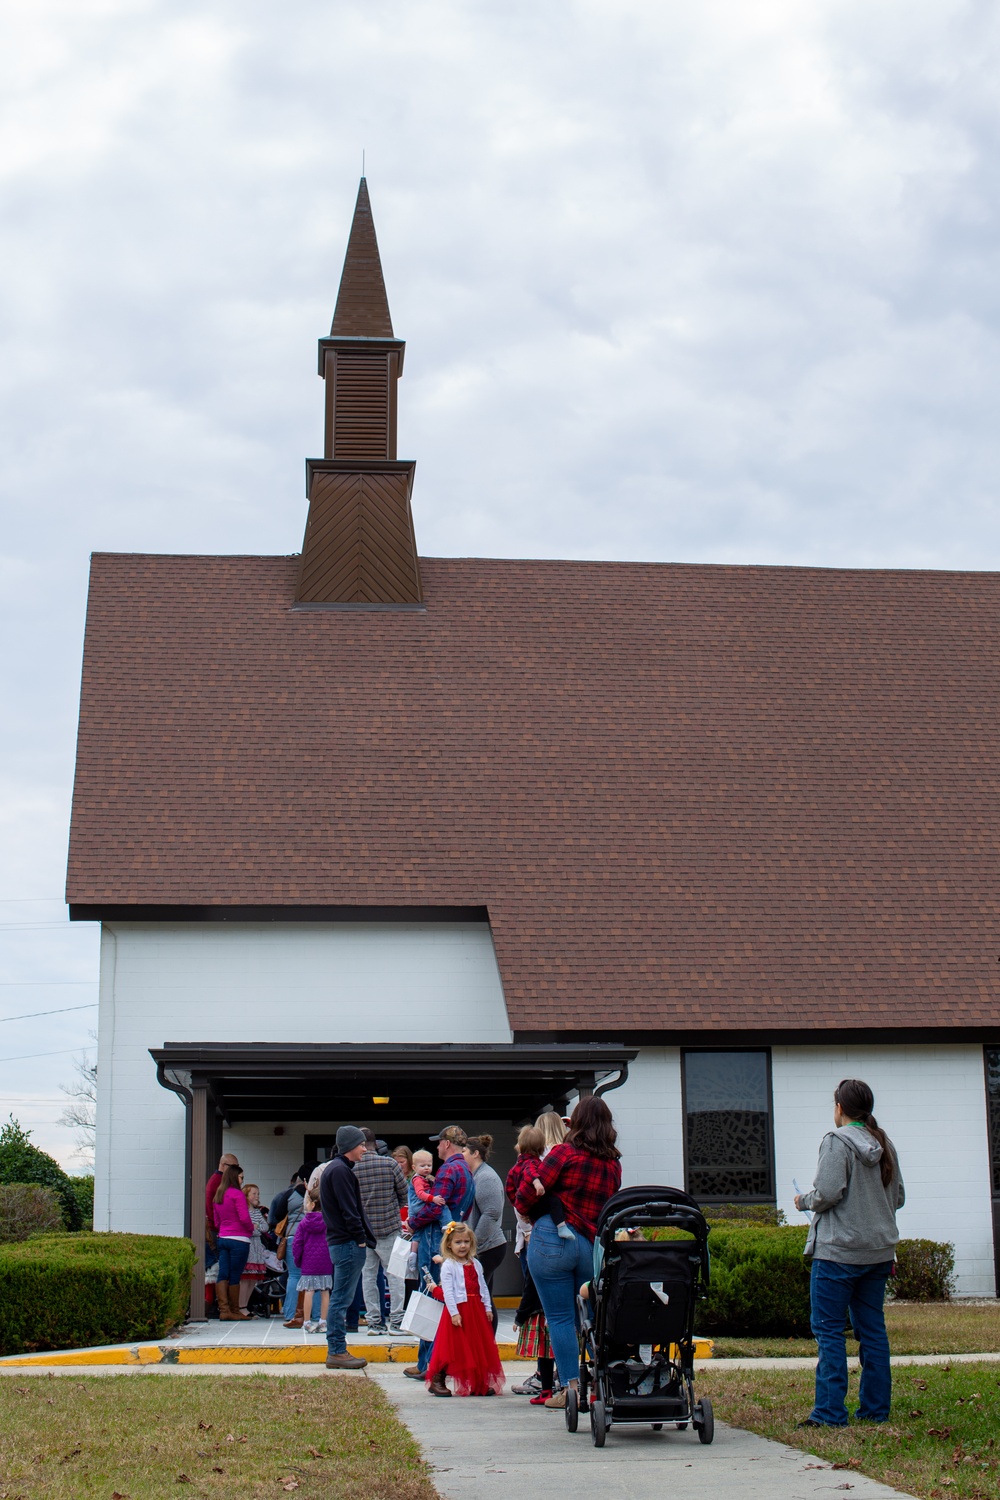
x=222 y=1298
x=345 y=1361
x=436 y=1386
x=299 y=1316
x=236 y=1313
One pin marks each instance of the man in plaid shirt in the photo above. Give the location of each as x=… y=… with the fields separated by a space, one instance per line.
x=383 y=1194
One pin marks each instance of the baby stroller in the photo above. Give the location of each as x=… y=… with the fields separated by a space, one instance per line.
x=268 y=1296
x=637 y=1322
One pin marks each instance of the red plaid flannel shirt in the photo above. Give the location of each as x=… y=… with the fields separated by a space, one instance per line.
x=583 y=1184
x=516 y=1174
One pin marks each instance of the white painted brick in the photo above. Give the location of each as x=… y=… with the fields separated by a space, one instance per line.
x=295 y=983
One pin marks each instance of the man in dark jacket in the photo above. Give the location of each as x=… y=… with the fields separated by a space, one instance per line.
x=348 y=1235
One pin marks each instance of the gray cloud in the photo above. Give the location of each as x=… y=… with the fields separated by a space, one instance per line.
x=710 y=283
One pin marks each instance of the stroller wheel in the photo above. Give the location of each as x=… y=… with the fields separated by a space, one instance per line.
x=598 y=1423
x=657 y=1426
x=681 y=1426
x=706 y=1427
x=572 y=1410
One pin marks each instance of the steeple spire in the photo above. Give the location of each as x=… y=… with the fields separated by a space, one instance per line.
x=359 y=549
x=362 y=310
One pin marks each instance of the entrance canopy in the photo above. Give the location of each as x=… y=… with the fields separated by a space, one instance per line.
x=229 y=1083
x=271 y=1081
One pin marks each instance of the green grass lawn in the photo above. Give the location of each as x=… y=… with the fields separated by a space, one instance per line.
x=940 y=1440
x=914 y=1328
x=140 y=1437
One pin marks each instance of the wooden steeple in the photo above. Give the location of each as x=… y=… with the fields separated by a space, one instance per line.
x=359 y=547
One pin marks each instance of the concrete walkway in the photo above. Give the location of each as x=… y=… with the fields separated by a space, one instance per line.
x=496 y=1450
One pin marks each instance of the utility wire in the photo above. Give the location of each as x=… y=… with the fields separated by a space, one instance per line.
x=29 y=1015
x=23 y=1057
x=25 y=983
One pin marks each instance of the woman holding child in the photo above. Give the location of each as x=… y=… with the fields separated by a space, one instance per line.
x=580 y=1174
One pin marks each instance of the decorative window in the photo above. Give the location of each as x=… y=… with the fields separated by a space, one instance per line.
x=993 y=1114
x=727 y=1120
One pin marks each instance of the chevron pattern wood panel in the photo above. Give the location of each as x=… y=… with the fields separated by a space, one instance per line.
x=358 y=546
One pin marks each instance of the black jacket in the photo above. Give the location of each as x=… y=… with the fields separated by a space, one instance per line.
x=340 y=1201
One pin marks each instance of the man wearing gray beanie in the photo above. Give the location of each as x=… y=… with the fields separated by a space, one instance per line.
x=348 y=1235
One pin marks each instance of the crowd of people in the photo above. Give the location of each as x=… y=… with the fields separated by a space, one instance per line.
x=337 y=1230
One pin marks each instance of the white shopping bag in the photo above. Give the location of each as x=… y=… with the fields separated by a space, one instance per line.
x=399 y=1257
x=422 y=1316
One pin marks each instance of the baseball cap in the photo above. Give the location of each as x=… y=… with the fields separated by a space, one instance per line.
x=453 y=1133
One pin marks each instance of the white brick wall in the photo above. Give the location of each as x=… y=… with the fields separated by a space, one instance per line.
x=932 y=1102
x=248 y=982
x=647 y=1111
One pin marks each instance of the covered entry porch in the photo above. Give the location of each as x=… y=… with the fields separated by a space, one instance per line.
x=276 y=1093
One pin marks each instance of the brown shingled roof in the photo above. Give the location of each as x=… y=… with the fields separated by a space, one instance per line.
x=719 y=796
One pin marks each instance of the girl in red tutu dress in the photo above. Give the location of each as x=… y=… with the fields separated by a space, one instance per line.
x=465 y=1347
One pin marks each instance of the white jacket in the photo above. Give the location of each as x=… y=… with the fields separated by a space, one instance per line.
x=453 y=1286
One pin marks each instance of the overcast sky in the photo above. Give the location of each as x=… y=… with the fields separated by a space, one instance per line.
x=711 y=283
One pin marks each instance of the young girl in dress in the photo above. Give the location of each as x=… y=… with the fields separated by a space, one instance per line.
x=465 y=1347
x=312 y=1254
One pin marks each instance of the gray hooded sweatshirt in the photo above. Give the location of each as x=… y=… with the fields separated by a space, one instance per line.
x=854 y=1216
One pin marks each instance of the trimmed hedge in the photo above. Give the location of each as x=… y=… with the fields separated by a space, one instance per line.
x=760 y=1282
x=760 y=1278
x=70 y=1291
x=925 y=1271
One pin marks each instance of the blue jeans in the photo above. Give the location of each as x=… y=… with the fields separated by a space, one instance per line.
x=292 y=1285
x=559 y=1269
x=428 y=1245
x=835 y=1291
x=233 y=1256
x=347 y=1263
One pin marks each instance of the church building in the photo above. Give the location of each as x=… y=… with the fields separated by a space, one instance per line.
x=407 y=841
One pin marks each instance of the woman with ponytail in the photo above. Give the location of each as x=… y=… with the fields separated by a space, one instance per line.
x=852 y=1244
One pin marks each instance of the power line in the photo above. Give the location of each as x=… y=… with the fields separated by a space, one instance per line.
x=27 y=900
x=23 y=1057
x=29 y=1015
x=47 y=926
x=27 y=983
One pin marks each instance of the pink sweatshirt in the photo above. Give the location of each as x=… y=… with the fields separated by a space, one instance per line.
x=232 y=1217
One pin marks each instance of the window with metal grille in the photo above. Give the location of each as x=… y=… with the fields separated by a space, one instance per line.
x=728 y=1133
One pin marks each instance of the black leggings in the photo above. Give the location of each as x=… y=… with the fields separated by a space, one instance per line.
x=491 y=1261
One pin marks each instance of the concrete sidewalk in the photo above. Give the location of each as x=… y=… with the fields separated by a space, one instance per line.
x=493 y=1450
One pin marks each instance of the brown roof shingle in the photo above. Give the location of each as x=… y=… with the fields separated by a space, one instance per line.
x=730 y=797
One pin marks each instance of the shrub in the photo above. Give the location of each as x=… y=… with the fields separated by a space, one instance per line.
x=27 y=1209
x=925 y=1271
x=69 y=1291
x=760 y=1282
x=83 y=1192
x=750 y=1213
x=20 y=1161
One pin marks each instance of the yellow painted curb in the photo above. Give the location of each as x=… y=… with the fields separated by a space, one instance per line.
x=249 y=1354
x=227 y=1354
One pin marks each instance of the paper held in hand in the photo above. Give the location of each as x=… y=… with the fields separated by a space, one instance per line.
x=422 y=1316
